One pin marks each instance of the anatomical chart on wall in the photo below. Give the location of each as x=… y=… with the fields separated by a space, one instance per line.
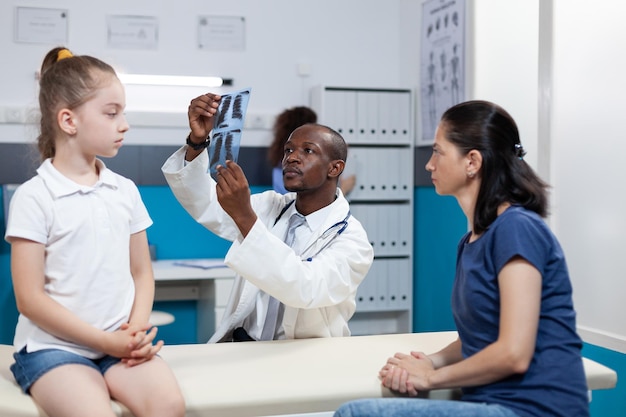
x=442 y=67
x=227 y=130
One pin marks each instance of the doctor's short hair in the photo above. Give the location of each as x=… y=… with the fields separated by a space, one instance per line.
x=339 y=148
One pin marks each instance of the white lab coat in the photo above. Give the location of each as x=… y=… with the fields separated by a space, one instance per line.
x=318 y=287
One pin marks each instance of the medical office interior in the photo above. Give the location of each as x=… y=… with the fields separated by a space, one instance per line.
x=553 y=64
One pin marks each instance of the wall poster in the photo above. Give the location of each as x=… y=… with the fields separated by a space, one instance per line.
x=442 y=65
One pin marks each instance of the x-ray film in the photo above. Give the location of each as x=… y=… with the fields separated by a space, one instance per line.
x=227 y=129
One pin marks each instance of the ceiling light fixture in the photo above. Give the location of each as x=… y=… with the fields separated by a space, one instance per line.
x=173 y=80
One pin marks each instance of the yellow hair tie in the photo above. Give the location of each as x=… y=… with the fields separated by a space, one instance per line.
x=64 y=53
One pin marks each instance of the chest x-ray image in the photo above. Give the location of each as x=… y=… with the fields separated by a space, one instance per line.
x=227 y=131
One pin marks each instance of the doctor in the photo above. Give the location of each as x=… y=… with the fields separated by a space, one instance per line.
x=316 y=278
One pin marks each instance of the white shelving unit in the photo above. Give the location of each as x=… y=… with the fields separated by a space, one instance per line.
x=377 y=125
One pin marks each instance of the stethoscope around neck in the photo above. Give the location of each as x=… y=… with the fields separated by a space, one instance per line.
x=333 y=231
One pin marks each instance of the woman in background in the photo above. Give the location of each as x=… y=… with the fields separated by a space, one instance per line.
x=285 y=123
x=517 y=352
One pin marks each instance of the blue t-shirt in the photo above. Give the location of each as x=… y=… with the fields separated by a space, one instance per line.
x=554 y=384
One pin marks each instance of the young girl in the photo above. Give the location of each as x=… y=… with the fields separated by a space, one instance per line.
x=79 y=258
x=518 y=353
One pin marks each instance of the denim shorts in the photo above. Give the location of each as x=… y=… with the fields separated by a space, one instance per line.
x=29 y=367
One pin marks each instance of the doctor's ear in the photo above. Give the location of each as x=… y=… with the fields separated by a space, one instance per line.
x=65 y=120
x=336 y=168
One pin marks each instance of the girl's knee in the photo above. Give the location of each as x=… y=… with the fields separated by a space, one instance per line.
x=174 y=406
x=170 y=405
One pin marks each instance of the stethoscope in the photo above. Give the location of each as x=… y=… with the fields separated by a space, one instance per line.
x=336 y=228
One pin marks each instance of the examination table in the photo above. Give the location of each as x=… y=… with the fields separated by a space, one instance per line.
x=286 y=377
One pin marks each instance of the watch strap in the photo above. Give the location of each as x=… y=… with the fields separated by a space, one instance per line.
x=197 y=146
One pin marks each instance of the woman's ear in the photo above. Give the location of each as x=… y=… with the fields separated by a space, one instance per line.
x=336 y=168
x=474 y=160
x=65 y=120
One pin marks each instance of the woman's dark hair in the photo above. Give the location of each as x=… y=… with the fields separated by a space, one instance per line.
x=65 y=81
x=286 y=122
x=505 y=176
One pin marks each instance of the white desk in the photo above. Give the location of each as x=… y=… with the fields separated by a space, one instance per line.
x=279 y=377
x=172 y=270
x=208 y=287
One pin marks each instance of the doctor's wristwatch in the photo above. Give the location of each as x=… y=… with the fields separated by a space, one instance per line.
x=197 y=146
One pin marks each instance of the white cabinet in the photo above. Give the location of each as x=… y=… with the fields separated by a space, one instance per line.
x=223 y=287
x=377 y=125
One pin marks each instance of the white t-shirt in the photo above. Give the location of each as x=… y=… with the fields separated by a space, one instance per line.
x=86 y=231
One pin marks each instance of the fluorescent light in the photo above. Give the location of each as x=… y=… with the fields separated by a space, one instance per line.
x=171 y=80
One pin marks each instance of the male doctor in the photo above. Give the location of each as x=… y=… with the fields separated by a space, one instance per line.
x=313 y=281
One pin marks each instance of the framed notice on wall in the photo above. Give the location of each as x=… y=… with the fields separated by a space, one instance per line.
x=132 y=32
x=41 y=25
x=225 y=33
x=442 y=65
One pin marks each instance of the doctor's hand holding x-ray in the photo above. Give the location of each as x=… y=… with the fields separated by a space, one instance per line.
x=233 y=191
x=316 y=277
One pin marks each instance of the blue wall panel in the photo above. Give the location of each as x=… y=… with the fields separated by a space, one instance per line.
x=183 y=329
x=608 y=403
x=439 y=224
x=8 y=310
x=174 y=233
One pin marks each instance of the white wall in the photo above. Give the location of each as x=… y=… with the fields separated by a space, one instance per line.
x=345 y=43
x=505 y=61
x=583 y=134
x=589 y=148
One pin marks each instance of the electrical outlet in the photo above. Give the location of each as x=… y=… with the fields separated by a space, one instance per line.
x=14 y=115
x=258 y=121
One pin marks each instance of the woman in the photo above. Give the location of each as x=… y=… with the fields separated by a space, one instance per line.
x=518 y=353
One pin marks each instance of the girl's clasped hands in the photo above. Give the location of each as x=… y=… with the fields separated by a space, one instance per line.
x=133 y=343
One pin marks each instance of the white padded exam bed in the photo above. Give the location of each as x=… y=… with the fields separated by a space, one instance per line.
x=285 y=377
